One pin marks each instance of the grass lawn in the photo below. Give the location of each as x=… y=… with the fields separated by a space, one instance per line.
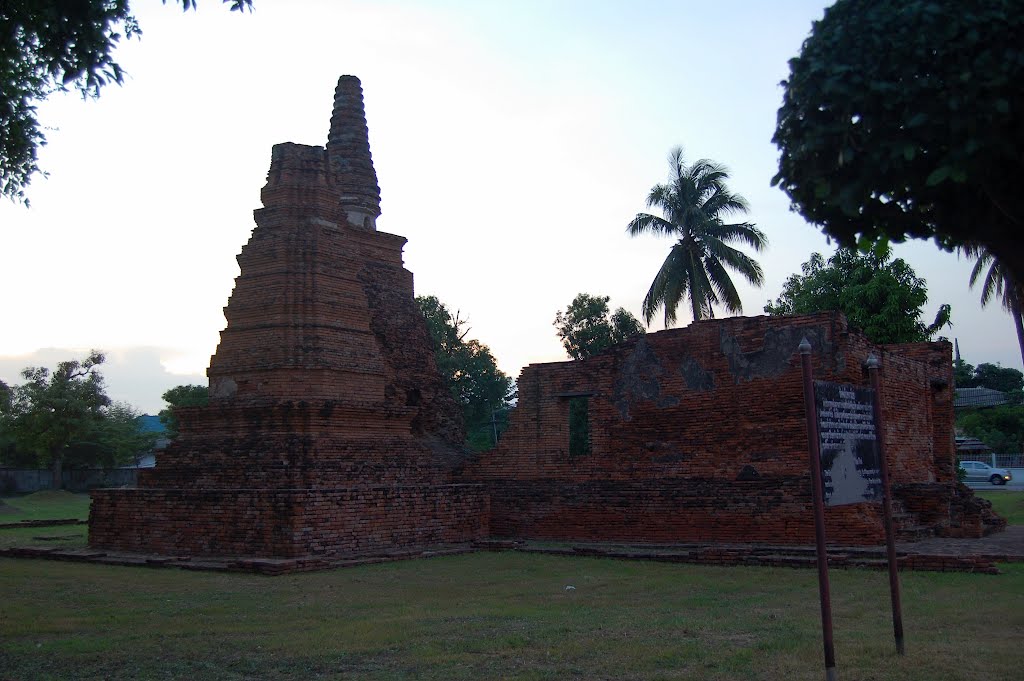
x=46 y=505
x=500 y=616
x=1010 y=505
x=491 y=616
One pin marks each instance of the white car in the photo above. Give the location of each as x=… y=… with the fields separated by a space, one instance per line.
x=976 y=471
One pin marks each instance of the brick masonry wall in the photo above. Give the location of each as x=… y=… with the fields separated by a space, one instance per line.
x=286 y=523
x=698 y=434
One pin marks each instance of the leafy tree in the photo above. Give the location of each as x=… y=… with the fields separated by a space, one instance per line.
x=998 y=282
x=45 y=47
x=65 y=418
x=993 y=376
x=446 y=330
x=7 y=445
x=586 y=327
x=122 y=435
x=116 y=438
x=963 y=374
x=901 y=119
x=51 y=413
x=1001 y=428
x=470 y=371
x=695 y=203
x=1004 y=379
x=181 y=396
x=881 y=296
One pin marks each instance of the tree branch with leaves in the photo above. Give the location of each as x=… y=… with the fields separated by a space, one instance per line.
x=49 y=46
x=469 y=370
x=902 y=119
x=51 y=411
x=881 y=296
x=586 y=327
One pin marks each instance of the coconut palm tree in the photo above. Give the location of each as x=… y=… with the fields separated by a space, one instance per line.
x=998 y=282
x=694 y=204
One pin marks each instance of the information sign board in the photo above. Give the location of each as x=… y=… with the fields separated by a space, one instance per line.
x=849 y=451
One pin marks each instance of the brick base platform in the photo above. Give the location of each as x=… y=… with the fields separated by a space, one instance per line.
x=935 y=555
x=286 y=524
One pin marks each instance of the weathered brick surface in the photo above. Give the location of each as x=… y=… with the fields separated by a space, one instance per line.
x=286 y=523
x=329 y=429
x=698 y=434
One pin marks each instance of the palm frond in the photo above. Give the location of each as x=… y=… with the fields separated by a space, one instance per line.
x=661 y=196
x=724 y=202
x=645 y=222
x=997 y=281
x=676 y=162
x=702 y=293
x=726 y=291
x=735 y=259
x=673 y=292
x=744 y=232
x=669 y=284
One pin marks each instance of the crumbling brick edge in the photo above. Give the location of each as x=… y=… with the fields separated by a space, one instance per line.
x=700 y=554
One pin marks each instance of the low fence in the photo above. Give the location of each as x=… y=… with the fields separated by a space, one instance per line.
x=25 y=480
x=1007 y=461
x=996 y=460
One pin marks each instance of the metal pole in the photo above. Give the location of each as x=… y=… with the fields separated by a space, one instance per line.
x=813 y=448
x=890 y=538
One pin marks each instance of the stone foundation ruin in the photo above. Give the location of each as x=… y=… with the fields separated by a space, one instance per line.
x=330 y=433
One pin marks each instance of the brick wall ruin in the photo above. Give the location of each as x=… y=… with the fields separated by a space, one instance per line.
x=698 y=434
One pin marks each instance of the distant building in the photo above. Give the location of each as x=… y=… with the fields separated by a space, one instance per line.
x=971 y=448
x=151 y=424
x=974 y=398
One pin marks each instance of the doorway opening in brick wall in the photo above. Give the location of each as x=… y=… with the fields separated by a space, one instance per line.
x=579 y=425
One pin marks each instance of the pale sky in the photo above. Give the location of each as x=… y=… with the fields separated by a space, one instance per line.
x=513 y=142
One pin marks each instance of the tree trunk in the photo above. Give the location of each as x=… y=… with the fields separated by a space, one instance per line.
x=1014 y=300
x=57 y=471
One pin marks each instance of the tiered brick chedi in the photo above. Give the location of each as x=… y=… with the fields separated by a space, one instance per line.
x=330 y=432
x=329 y=429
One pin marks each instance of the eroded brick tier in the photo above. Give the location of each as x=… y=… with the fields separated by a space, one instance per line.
x=698 y=435
x=329 y=429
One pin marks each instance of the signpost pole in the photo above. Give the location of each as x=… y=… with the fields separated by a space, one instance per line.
x=813 y=445
x=890 y=540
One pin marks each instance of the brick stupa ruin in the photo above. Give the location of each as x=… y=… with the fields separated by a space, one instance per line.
x=329 y=428
x=330 y=434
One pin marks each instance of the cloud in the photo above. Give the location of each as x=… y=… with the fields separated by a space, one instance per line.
x=136 y=375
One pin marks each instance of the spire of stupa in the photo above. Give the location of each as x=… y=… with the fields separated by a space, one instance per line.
x=349 y=163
